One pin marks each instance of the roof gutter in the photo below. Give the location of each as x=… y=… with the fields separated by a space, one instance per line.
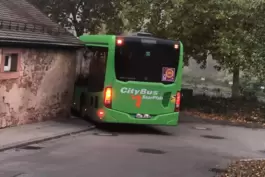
x=40 y=43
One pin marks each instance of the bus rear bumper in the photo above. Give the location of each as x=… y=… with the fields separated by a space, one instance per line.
x=112 y=116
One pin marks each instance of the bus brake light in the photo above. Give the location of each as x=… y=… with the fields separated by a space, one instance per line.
x=108 y=97
x=176 y=46
x=177 y=103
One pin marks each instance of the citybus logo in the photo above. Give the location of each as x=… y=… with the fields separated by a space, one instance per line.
x=139 y=92
x=142 y=94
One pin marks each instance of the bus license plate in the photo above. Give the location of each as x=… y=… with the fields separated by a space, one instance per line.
x=143 y=116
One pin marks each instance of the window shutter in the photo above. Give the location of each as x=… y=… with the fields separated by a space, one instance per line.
x=14 y=62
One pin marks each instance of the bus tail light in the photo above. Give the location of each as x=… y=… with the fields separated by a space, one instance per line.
x=119 y=41
x=108 y=97
x=177 y=102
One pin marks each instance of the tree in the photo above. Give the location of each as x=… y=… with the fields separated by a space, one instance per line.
x=82 y=15
x=235 y=45
x=135 y=14
x=227 y=30
x=159 y=18
x=192 y=23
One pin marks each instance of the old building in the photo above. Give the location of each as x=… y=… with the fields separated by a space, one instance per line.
x=37 y=65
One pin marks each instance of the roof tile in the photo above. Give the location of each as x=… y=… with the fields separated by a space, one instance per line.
x=19 y=20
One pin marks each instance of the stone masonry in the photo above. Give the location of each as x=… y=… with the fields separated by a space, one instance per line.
x=42 y=91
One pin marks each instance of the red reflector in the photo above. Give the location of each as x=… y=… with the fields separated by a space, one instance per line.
x=101 y=113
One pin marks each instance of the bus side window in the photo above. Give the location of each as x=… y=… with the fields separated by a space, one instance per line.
x=97 y=68
x=87 y=57
x=83 y=76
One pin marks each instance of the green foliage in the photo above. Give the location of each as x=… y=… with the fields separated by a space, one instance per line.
x=236 y=41
x=135 y=14
x=85 y=16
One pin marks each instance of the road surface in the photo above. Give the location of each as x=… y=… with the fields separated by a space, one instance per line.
x=189 y=150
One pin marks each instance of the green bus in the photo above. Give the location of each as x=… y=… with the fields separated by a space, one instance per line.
x=134 y=79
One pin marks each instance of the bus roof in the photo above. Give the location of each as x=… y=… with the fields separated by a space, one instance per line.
x=97 y=39
x=107 y=39
x=161 y=40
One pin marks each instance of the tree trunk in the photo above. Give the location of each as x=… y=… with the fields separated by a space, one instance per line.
x=235 y=86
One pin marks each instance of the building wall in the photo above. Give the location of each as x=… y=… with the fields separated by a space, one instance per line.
x=41 y=89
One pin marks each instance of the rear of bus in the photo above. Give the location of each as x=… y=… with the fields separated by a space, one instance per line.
x=144 y=85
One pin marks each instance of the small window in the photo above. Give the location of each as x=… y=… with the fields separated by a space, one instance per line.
x=7 y=60
x=11 y=62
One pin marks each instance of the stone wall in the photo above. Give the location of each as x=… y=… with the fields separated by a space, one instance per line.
x=43 y=89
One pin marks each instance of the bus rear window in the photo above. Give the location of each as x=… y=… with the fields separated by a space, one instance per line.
x=136 y=61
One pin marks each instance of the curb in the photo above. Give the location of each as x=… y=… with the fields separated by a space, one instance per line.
x=253 y=159
x=234 y=124
x=43 y=139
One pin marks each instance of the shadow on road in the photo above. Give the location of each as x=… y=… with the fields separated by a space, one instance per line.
x=116 y=128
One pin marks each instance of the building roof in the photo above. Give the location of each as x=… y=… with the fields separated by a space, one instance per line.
x=21 y=22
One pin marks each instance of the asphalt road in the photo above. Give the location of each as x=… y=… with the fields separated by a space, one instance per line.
x=136 y=151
